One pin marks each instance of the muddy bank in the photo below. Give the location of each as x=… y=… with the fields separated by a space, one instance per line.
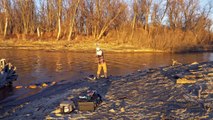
x=149 y=94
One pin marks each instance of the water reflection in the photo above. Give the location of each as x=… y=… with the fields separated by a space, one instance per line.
x=39 y=66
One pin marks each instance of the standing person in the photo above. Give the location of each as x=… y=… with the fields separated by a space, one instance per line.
x=101 y=62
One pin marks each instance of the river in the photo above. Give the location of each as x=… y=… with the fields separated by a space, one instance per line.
x=35 y=67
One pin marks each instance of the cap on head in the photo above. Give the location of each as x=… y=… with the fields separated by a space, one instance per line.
x=98 y=48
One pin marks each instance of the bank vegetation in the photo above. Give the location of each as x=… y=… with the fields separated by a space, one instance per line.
x=169 y=25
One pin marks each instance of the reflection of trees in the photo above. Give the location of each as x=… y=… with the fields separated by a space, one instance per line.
x=38 y=63
x=58 y=65
x=69 y=62
x=53 y=62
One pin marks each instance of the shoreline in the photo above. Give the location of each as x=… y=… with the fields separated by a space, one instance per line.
x=150 y=94
x=70 y=46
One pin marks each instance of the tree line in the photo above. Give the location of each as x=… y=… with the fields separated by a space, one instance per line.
x=161 y=24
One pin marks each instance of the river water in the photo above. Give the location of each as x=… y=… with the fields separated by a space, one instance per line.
x=42 y=66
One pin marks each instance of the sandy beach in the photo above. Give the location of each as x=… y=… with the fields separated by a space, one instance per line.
x=150 y=94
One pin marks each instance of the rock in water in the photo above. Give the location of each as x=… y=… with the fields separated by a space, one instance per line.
x=18 y=87
x=32 y=86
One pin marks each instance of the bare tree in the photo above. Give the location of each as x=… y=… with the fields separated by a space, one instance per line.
x=59 y=18
x=27 y=12
x=135 y=15
x=6 y=17
x=6 y=8
x=189 y=9
x=174 y=14
x=113 y=12
x=159 y=11
x=144 y=11
x=72 y=19
x=185 y=21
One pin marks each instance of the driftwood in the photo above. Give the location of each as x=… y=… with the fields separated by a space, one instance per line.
x=7 y=73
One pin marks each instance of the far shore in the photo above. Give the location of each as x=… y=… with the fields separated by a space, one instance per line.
x=87 y=46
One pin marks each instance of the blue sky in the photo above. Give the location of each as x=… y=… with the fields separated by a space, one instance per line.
x=204 y=3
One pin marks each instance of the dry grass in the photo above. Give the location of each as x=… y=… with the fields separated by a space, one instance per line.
x=163 y=39
x=156 y=39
